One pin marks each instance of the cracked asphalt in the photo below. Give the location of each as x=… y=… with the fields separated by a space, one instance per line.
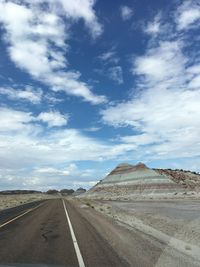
x=42 y=236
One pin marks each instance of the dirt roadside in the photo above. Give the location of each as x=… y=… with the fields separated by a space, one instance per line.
x=125 y=244
x=133 y=240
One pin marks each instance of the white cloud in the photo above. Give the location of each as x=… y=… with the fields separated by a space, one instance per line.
x=70 y=170
x=126 y=12
x=116 y=74
x=92 y=129
x=53 y=118
x=44 y=178
x=109 y=56
x=111 y=61
x=52 y=99
x=164 y=110
x=153 y=27
x=37 y=41
x=164 y=62
x=32 y=157
x=14 y=121
x=188 y=14
x=167 y=120
x=25 y=142
x=75 y=10
x=28 y=94
x=82 y=9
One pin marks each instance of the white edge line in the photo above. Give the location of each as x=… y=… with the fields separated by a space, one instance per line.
x=15 y=218
x=76 y=247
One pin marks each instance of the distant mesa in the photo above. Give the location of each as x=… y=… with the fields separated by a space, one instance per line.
x=79 y=191
x=67 y=192
x=63 y=192
x=52 y=192
x=129 y=181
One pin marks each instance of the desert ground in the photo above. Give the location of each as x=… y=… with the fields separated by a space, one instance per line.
x=175 y=223
x=10 y=201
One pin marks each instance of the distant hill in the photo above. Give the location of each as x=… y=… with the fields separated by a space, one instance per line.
x=15 y=192
x=79 y=191
x=138 y=181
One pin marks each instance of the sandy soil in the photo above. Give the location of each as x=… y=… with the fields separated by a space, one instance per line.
x=176 y=223
x=9 y=201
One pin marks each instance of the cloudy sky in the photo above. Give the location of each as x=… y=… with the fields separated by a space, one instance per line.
x=85 y=85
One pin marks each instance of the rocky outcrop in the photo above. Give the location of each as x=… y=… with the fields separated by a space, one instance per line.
x=187 y=179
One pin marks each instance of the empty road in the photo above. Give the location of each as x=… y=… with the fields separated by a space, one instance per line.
x=52 y=232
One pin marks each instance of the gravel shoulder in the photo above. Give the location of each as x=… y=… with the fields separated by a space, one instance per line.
x=171 y=226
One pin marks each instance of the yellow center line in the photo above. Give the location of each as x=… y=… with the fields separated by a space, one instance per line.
x=17 y=217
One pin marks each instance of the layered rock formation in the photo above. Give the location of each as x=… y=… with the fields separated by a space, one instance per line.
x=135 y=181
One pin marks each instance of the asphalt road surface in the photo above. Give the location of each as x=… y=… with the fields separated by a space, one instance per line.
x=53 y=233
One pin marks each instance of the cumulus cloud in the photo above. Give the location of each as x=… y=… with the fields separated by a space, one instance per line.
x=82 y=9
x=168 y=122
x=33 y=157
x=188 y=15
x=37 y=37
x=27 y=94
x=53 y=118
x=25 y=142
x=164 y=110
x=126 y=12
x=75 y=10
x=153 y=27
x=164 y=62
x=44 y=178
x=71 y=169
x=15 y=120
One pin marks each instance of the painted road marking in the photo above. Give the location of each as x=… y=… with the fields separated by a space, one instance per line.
x=17 y=217
x=76 y=247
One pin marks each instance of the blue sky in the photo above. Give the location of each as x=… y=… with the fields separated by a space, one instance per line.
x=85 y=85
